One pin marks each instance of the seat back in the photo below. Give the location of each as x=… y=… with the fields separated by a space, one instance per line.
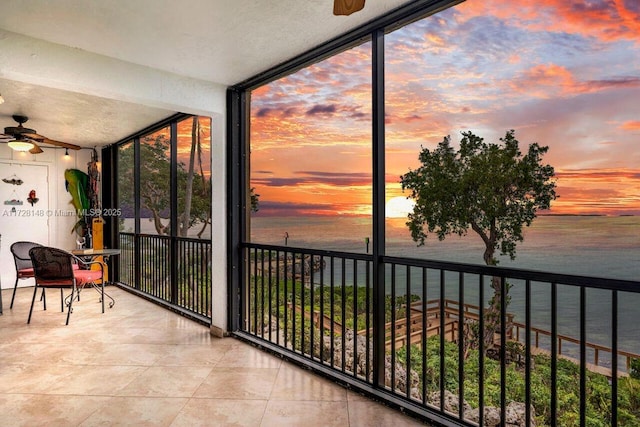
x=52 y=266
x=21 y=257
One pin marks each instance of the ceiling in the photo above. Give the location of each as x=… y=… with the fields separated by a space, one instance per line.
x=205 y=41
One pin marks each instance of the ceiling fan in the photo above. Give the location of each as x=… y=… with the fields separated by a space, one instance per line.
x=21 y=138
x=347 y=7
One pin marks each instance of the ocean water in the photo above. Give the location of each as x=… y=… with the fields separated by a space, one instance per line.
x=597 y=246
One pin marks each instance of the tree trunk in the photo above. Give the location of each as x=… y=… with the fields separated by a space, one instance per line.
x=492 y=313
x=186 y=215
x=204 y=226
x=161 y=229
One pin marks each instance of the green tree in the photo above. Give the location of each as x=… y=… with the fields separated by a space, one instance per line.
x=492 y=189
x=255 y=200
x=194 y=201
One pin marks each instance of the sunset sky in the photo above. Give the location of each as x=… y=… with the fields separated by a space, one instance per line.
x=185 y=139
x=561 y=73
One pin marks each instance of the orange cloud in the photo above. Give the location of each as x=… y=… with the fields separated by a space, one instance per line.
x=598 y=191
x=631 y=125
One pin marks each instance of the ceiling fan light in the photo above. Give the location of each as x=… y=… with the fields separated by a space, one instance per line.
x=20 y=145
x=36 y=149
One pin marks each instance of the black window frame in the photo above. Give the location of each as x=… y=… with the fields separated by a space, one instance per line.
x=238 y=122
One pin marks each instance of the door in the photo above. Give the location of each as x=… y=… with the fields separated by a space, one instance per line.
x=24 y=212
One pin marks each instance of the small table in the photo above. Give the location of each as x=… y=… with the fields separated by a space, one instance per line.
x=92 y=254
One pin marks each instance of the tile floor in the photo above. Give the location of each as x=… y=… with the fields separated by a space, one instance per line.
x=141 y=365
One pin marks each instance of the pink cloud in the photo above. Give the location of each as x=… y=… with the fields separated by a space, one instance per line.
x=606 y=20
x=550 y=80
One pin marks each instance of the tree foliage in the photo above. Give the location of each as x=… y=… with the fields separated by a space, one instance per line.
x=492 y=189
x=194 y=189
x=255 y=200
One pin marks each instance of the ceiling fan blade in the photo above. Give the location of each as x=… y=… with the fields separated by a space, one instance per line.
x=36 y=149
x=34 y=136
x=347 y=7
x=44 y=139
x=61 y=144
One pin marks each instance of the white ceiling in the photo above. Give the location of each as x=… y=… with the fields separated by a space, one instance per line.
x=210 y=41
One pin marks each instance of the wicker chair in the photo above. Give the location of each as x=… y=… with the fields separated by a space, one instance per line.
x=54 y=268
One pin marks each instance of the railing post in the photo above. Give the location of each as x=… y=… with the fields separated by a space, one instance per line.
x=237 y=163
x=137 y=249
x=173 y=268
x=559 y=346
x=378 y=133
x=173 y=214
x=554 y=353
x=583 y=356
x=614 y=358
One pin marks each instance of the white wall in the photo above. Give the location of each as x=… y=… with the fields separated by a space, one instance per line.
x=218 y=225
x=59 y=224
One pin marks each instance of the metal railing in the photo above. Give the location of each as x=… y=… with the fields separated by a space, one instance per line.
x=444 y=358
x=284 y=284
x=174 y=271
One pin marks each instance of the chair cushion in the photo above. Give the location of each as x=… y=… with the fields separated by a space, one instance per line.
x=25 y=272
x=87 y=276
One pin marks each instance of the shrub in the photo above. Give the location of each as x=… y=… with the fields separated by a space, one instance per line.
x=634 y=372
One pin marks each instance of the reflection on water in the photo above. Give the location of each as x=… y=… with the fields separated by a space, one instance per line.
x=590 y=246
